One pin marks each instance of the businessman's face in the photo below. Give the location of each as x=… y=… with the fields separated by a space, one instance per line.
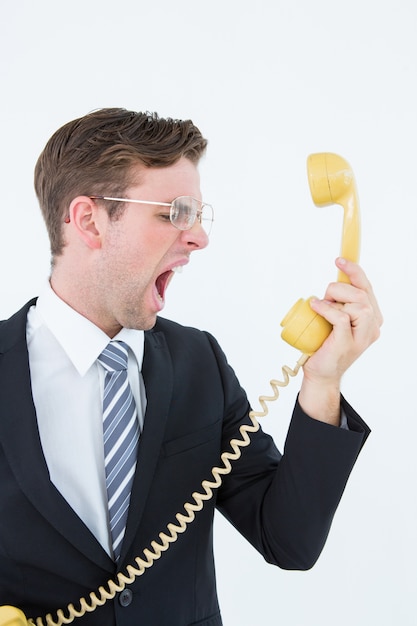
x=142 y=249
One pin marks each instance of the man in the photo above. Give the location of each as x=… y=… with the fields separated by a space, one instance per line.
x=121 y=199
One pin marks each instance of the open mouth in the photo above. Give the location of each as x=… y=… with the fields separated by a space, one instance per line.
x=162 y=283
x=164 y=279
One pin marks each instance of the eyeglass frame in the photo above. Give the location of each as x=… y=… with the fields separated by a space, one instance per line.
x=198 y=215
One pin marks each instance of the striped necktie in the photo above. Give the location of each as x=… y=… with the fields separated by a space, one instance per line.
x=121 y=436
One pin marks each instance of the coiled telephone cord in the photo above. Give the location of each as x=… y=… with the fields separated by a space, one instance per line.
x=113 y=587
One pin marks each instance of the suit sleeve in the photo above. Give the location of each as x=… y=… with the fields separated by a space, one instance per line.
x=284 y=503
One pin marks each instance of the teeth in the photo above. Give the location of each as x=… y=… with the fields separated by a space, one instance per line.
x=178 y=269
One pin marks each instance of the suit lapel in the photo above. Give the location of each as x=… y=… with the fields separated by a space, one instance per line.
x=19 y=432
x=158 y=377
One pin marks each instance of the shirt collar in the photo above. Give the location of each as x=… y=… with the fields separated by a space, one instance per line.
x=81 y=340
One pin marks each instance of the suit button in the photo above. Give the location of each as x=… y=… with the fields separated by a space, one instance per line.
x=125 y=597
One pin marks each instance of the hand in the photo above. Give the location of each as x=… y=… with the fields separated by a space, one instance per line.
x=353 y=311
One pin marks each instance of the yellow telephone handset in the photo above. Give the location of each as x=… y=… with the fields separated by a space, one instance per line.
x=331 y=181
x=11 y=616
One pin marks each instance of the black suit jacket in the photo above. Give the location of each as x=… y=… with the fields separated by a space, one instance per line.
x=282 y=504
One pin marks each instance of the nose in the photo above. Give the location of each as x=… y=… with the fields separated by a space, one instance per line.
x=196 y=237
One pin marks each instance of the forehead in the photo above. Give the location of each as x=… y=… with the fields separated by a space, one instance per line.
x=180 y=179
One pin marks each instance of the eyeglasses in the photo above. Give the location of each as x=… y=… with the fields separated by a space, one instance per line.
x=183 y=211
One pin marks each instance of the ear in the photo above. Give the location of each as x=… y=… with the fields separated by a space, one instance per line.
x=86 y=219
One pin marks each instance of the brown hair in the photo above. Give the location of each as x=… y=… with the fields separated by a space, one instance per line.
x=95 y=155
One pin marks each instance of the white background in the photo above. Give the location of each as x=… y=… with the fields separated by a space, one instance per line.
x=268 y=82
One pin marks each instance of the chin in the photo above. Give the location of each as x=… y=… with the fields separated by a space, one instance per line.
x=142 y=324
x=151 y=324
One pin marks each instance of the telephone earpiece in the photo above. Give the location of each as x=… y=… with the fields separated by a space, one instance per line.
x=331 y=181
x=11 y=616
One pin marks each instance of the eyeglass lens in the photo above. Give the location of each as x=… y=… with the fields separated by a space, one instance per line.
x=185 y=210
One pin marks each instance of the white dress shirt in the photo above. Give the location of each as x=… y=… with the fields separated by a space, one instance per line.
x=67 y=387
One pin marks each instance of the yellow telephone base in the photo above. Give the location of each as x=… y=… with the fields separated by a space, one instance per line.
x=11 y=616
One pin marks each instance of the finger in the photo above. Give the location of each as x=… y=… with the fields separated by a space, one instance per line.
x=333 y=312
x=350 y=320
x=354 y=272
x=359 y=280
x=344 y=292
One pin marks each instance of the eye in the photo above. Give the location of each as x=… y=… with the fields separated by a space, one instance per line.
x=185 y=213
